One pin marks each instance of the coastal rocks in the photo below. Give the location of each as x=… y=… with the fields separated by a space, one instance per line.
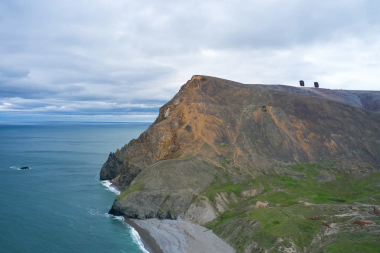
x=200 y=120
x=214 y=126
x=201 y=211
x=126 y=179
x=111 y=167
x=169 y=188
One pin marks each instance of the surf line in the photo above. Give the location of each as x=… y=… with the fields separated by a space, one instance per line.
x=134 y=234
x=110 y=187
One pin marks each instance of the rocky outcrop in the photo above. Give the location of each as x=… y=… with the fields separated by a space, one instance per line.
x=247 y=129
x=201 y=211
x=112 y=167
x=213 y=150
x=165 y=189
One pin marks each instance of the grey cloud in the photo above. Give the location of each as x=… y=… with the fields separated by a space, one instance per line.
x=120 y=57
x=12 y=73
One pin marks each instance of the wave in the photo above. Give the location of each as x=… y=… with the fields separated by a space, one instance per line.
x=136 y=239
x=110 y=187
x=96 y=212
x=134 y=234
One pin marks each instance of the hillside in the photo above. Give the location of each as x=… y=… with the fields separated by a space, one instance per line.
x=257 y=161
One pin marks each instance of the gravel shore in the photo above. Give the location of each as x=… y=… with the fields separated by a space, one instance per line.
x=149 y=242
x=181 y=236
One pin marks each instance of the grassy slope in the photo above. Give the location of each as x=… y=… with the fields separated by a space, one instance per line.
x=131 y=189
x=287 y=217
x=353 y=243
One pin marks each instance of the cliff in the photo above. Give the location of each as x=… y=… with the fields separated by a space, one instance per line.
x=212 y=142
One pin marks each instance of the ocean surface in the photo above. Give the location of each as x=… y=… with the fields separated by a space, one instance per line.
x=59 y=205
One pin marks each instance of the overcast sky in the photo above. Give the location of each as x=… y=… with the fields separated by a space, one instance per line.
x=120 y=60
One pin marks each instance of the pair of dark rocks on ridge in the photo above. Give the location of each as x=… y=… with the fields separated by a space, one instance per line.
x=302 y=83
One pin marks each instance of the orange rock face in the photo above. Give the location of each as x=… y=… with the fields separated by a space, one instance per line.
x=251 y=128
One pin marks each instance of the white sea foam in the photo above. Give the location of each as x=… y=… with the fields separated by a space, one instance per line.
x=110 y=187
x=120 y=218
x=93 y=211
x=136 y=239
x=135 y=236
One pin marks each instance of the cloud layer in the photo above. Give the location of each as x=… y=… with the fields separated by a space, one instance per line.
x=121 y=60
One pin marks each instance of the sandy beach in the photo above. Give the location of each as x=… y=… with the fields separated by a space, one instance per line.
x=179 y=236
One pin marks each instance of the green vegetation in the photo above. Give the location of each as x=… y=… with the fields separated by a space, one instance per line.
x=287 y=243
x=223 y=183
x=129 y=190
x=218 y=186
x=275 y=222
x=224 y=145
x=354 y=243
x=286 y=216
x=278 y=222
x=352 y=247
x=187 y=157
x=344 y=189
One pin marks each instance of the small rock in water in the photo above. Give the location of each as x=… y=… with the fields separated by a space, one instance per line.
x=24 y=168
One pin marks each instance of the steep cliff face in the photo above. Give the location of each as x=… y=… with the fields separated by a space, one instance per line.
x=253 y=127
x=255 y=162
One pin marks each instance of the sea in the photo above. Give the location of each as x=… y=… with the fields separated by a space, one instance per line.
x=59 y=204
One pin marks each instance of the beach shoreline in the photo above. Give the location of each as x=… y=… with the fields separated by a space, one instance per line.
x=183 y=236
x=149 y=242
x=174 y=236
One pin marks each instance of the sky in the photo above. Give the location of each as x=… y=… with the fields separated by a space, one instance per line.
x=121 y=60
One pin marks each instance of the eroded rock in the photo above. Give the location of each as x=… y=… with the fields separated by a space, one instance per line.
x=201 y=211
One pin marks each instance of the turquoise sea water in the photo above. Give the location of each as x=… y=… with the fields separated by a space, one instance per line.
x=59 y=205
